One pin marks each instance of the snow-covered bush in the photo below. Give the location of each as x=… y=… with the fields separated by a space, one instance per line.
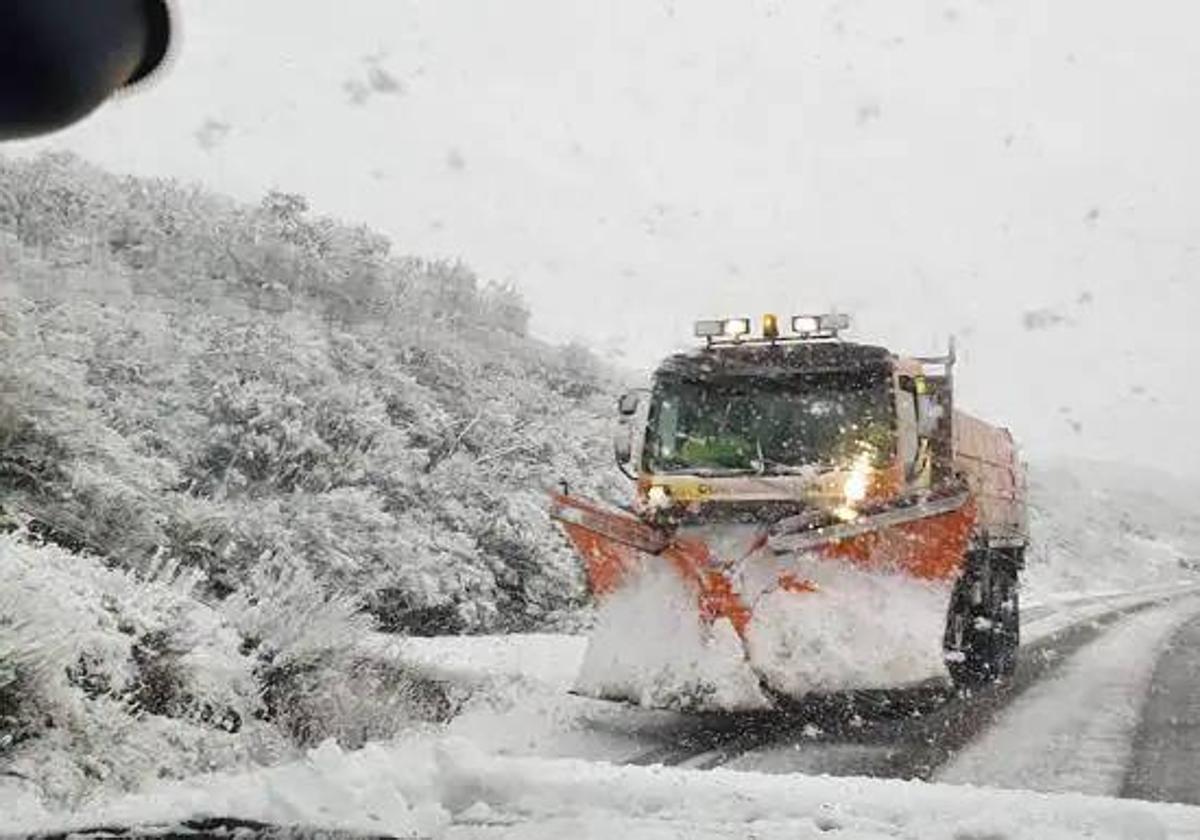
x=317 y=682
x=107 y=679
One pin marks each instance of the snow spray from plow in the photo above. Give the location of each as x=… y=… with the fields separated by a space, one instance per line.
x=810 y=516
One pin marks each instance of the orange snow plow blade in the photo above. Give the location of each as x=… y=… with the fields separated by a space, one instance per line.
x=613 y=543
x=924 y=541
x=739 y=616
x=609 y=542
x=927 y=540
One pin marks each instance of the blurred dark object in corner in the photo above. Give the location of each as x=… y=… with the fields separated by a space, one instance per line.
x=60 y=59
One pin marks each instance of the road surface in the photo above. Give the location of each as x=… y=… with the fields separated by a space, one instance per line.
x=1105 y=700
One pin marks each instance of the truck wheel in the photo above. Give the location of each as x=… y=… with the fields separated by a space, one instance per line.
x=983 y=627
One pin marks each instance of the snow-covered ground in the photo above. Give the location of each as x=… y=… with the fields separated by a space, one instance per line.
x=516 y=712
x=450 y=788
x=527 y=760
x=551 y=659
x=499 y=770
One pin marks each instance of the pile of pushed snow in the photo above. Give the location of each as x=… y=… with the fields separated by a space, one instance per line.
x=651 y=646
x=859 y=629
x=450 y=789
x=1098 y=527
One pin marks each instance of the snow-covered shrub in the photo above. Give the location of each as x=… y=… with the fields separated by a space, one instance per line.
x=107 y=679
x=317 y=681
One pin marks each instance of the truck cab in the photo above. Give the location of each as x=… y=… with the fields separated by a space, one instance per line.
x=770 y=426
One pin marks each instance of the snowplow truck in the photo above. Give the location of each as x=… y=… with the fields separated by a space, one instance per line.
x=811 y=515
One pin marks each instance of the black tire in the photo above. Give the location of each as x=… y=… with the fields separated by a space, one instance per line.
x=983 y=626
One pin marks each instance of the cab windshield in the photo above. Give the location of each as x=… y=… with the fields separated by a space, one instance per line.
x=768 y=426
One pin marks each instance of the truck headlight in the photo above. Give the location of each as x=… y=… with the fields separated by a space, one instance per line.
x=657 y=497
x=854 y=489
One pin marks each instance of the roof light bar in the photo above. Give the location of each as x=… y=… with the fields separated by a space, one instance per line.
x=805 y=324
x=737 y=327
x=834 y=322
x=735 y=330
x=829 y=324
x=722 y=328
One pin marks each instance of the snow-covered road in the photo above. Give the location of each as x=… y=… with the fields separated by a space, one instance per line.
x=525 y=759
x=1164 y=763
x=451 y=790
x=1074 y=730
x=913 y=733
x=909 y=733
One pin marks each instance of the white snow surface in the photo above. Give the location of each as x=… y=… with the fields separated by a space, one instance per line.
x=501 y=769
x=448 y=788
x=551 y=659
x=525 y=759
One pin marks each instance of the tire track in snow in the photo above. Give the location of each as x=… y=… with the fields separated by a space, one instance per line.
x=846 y=716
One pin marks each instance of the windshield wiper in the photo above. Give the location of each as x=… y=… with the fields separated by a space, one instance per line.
x=780 y=468
x=689 y=469
x=788 y=469
x=719 y=471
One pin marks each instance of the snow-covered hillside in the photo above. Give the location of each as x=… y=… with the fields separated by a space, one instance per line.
x=234 y=439
x=243 y=387
x=1100 y=527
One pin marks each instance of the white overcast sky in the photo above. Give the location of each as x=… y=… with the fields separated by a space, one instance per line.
x=1022 y=174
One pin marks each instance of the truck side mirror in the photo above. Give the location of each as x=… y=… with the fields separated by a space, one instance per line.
x=627 y=438
x=623 y=450
x=627 y=405
x=622 y=446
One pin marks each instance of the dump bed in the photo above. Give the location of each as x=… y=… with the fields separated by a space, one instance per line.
x=986 y=456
